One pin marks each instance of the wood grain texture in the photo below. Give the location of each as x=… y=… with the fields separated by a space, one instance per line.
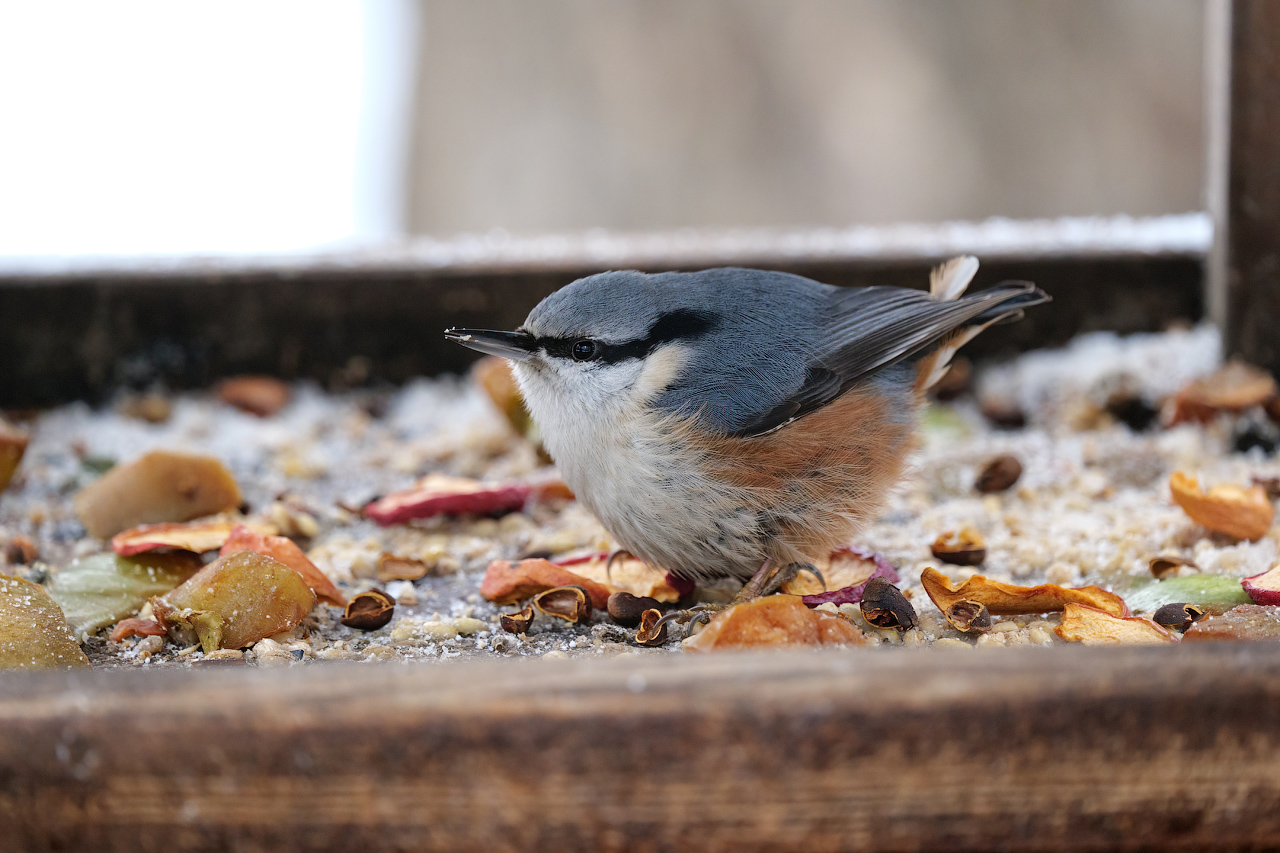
x=1252 y=228
x=1048 y=749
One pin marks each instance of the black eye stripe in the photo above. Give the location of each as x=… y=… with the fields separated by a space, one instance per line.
x=670 y=326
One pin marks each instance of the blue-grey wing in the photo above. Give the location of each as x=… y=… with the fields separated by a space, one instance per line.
x=868 y=329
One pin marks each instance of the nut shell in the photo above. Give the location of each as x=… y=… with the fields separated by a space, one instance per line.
x=652 y=631
x=963 y=547
x=369 y=611
x=1167 y=565
x=1178 y=617
x=884 y=606
x=570 y=603
x=626 y=609
x=517 y=623
x=998 y=474
x=969 y=616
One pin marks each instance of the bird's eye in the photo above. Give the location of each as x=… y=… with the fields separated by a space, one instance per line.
x=585 y=350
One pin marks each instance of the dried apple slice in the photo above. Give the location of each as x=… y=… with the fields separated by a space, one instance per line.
x=279 y=548
x=161 y=486
x=1231 y=388
x=1250 y=622
x=13 y=444
x=258 y=395
x=437 y=494
x=774 y=621
x=846 y=572
x=1264 y=588
x=97 y=591
x=628 y=574
x=1244 y=513
x=1094 y=627
x=235 y=601
x=199 y=537
x=507 y=582
x=493 y=374
x=1003 y=599
x=33 y=633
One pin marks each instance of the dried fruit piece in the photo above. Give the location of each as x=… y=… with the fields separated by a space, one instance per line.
x=235 y=601
x=152 y=407
x=774 y=621
x=884 y=606
x=846 y=572
x=570 y=603
x=493 y=374
x=963 y=547
x=258 y=395
x=136 y=628
x=1201 y=589
x=33 y=634
x=652 y=630
x=1168 y=565
x=1246 y=622
x=437 y=494
x=517 y=623
x=1003 y=599
x=208 y=534
x=627 y=574
x=393 y=568
x=1244 y=513
x=98 y=591
x=1178 y=616
x=1264 y=588
x=1234 y=387
x=284 y=550
x=369 y=611
x=1093 y=627
x=21 y=551
x=998 y=474
x=506 y=582
x=626 y=609
x=13 y=443
x=161 y=486
x=969 y=616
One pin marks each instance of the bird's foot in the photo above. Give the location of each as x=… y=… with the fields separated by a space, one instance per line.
x=620 y=554
x=770 y=578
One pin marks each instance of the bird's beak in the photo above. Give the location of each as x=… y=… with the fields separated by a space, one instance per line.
x=517 y=345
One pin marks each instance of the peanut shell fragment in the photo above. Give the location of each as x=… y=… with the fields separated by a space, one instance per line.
x=652 y=630
x=1178 y=616
x=884 y=606
x=160 y=486
x=1167 y=565
x=963 y=547
x=570 y=603
x=369 y=611
x=1093 y=627
x=517 y=623
x=626 y=609
x=1244 y=513
x=1002 y=599
x=998 y=474
x=969 y=616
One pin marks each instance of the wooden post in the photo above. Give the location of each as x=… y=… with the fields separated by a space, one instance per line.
x=1246 y=288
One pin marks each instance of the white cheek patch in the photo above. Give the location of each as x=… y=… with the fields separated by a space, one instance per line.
x=661 y=369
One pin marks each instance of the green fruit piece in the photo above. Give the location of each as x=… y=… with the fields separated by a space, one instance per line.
x=33 y=633
x=103 y=589
x=1192 y=589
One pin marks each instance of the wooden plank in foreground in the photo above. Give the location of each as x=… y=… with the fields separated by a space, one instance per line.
x=1047 y=749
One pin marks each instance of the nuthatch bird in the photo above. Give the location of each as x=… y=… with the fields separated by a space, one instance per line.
x=733 y=422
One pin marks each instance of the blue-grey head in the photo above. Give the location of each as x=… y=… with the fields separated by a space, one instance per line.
x=717 y=343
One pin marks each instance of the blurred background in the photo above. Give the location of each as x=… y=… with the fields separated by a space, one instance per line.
x=140 y=126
